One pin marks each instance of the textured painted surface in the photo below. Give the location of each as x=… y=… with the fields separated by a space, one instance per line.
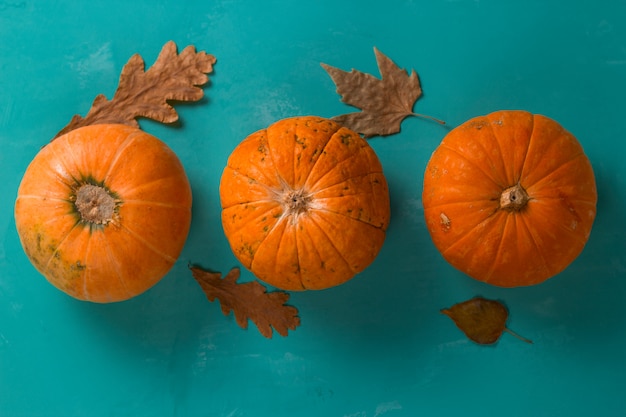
x=377 y=345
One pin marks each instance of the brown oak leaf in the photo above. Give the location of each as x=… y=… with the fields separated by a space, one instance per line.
x=483 y=321
x=142 y=93
x=384 y=102
x=249 y=300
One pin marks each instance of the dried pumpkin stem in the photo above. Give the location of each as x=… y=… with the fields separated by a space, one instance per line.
x=95 y=204
x=296 y=201
x=514 y=198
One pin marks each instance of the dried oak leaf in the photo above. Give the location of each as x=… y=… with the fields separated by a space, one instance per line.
x=384 y=102
x=142 y=93
x=483 y=321
x=249 y=301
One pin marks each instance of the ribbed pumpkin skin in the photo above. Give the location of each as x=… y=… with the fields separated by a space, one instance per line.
x=123 y=258
x=465 y=179
x=304 y=160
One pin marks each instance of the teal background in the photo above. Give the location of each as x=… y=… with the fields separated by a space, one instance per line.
x=377 y=345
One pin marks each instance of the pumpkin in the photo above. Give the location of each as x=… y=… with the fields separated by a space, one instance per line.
x=103 y=212
x=509 y=198
x=305 y=204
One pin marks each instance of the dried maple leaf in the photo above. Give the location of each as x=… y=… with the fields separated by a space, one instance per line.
x=384 y=102
x=482 y=320
x=173 y=76
x=249 y=301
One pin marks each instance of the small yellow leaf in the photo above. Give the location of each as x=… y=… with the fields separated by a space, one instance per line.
x=482 y=320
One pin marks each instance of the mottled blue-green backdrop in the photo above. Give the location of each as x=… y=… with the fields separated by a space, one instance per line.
x=376 y=346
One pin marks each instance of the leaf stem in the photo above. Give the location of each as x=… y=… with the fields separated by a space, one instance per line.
x=523 y=339
x=425 y=116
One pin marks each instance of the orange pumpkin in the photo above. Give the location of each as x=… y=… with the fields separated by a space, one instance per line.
x=305 y=203
x=103 y=212
x=509 y=198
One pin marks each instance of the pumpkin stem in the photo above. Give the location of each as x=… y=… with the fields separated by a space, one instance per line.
x=95 y=204
x=514 y=198
x=296 y=201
